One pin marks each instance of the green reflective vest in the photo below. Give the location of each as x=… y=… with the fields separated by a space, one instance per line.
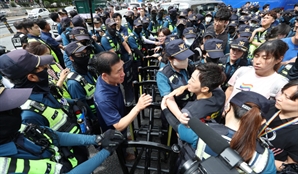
x=58 y=118
x=14 y=165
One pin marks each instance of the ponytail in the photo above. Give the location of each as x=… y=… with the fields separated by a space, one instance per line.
x=244 y=140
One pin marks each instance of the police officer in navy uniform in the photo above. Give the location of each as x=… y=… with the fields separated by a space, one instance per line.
x=171 y=21
x=113 y=41
x=80 y=83
x=33 y=149
x=19 y=40
x=45 y=106
x=136 y=44
x=129 y=16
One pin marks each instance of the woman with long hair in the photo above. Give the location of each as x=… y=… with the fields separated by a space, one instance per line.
x=243 y=121
x=281 y=128
x=262 y=77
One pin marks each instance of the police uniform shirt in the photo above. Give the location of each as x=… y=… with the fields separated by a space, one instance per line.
x=123 y=31
x=209 y=108
x=106 y=44
x=132 y=42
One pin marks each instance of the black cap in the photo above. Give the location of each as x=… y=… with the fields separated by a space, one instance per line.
x=146 y=20
x=200 y=17
x=240 y=43
x=128 y=13
x=13 y=98
x=245 y=31
x=110 y=22
x=170 y=38
x=233 y=23
x=181 y=21
x=209 y=33
x=251 y=97
x=137 y=22
x=178 y=49
x=255 y=18
x=80 y=33
x=75 y=47
x=214 y=47
x=96 y=20
x=19 y=63
x=183 y=14
x=189 y=32
x=65 y=21
x=77 y=20
x=192 y=17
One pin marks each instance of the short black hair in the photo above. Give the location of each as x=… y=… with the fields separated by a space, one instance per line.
x=41 y=23
x=54 y=16
x=72 y=13
x=29 y=23
x=115 y=15
x=223 y=13
x=103 y=62
x=211 y=75
x=294 y=96
x=265 y=6
x=18 y=25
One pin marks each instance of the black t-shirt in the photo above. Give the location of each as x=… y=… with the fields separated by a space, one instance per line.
x=284 y=141
x=204 y=108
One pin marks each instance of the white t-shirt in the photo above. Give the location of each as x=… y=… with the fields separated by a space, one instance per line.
x=245 y=79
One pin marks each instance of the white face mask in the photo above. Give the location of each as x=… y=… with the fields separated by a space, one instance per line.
x=98 y=29
x=189 y=42
x=208 y=19
x=180 y=64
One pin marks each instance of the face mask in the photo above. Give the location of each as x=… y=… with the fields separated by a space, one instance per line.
x=208 y=19
x=189 y=42
x=80 y=64
x=153 y=16
x=145 y=26
x=173 y=16
x=138 y=30
x=10 y=123
x=98 y=29
x=112 y=31
x=180 y=64
x=231 y=30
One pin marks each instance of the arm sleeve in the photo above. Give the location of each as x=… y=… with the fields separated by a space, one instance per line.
x=172 y=120
x=163 y=84
x=187 y=135
x=147 y=41
x=68 y=139
x=132 y=43
x=91 y=164
x=76 y=90
x=64 y=39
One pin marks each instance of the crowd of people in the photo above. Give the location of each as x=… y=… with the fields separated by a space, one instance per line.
x=70 y=85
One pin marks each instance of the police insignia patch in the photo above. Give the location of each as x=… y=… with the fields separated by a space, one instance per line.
x=219 y=46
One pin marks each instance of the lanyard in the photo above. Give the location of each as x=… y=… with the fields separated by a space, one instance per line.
x=264 y=131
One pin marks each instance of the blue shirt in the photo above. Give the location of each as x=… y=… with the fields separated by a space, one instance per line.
x=110 y=104
x=292 y=51
x=163 y=83
x=47 y=37
x=123 y=31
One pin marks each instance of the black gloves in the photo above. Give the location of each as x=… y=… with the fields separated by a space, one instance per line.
x=110 y=139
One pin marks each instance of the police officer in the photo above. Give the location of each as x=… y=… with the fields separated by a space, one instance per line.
x=56 y=27
x=97 y=32
x=80 y=83
x=136 y=44
x=113 y=41
x=129 y=16
x=235 y=59
x=19 y=40
x=34 y=149
x=180 y=26
x=171 y=21
x=33 y=35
